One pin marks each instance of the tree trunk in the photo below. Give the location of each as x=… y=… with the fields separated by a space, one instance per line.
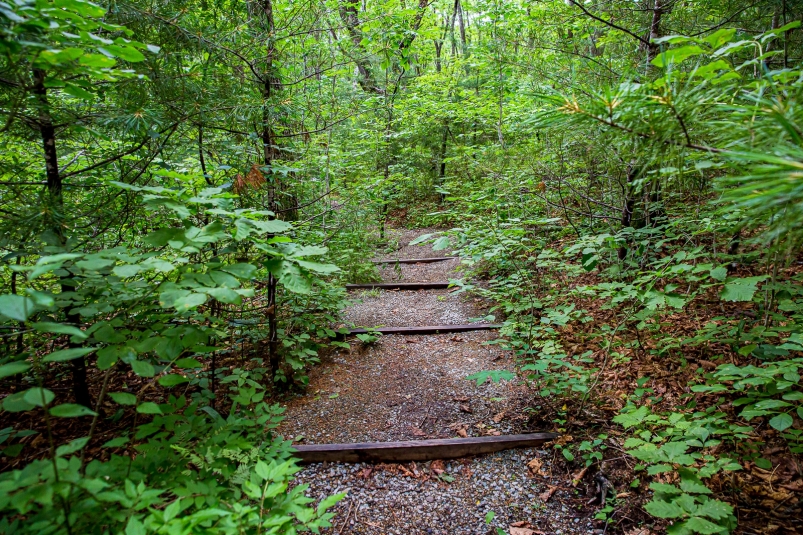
x=628 y=203
x=80 y=386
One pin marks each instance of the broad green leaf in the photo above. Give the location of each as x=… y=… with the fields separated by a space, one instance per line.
x=740 y=289
x=16 y=307
x=68 y=354
x=190 y=301
x=127 y=271
x=224 y=295
x=719 y=273
x=60 y=328
x=715 y=509
x=781 y=422
x=72 y=446
x=188 y=363
x=172 y=380
x=149 y=408
x=13 y=368
x=701 y=525
x=142 y=368
x=16 y=402
x=662 y=509
x=241 y=271
x=440 y=244
x=39 y=397
x=421 y=239
x=116 y=442
x=123 y=398
x=318 y=268
x=677 y=55
x=71 y=410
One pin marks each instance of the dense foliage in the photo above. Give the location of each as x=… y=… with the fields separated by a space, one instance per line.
x=186 y=186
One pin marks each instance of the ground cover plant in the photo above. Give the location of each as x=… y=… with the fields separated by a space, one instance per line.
x=187 y=186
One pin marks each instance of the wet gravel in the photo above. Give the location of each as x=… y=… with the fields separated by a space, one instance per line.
x=415 y=387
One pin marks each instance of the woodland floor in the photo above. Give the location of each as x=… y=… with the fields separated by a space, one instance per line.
x=414 y=387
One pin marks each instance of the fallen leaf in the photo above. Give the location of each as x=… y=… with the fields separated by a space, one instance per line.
x=437 y=467
x=462 y=432
x=461 y=399
x=536 y=467
x=494 y=433
x=417 y=432
x=578 y=476
x=638 y=531
x=622 y=495
x=522 y=531
x=563 y=440
x=466 y=408
x=365 y=473
x=547 y=494
x=499 y=417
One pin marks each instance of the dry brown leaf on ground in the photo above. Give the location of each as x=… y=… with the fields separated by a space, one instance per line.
x=365 y=473
x=536 y=467
x=417 y=432
x=578 y=476
x=638 y=531
x=547 y=494
x=437 y=467
x=499 y=417
x=524 y=531
x=466 y=408
x=462 y=432
x=563 y=440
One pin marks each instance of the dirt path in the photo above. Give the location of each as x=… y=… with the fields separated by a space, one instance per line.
x=414 y=387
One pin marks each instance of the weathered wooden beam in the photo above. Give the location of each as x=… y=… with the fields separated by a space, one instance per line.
x=417 y=450
x=430 y=329
x=415 y=260
x=398 y=286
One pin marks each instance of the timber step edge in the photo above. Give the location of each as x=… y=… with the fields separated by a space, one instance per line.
x=429 y=329
x=415 y=260
x=417 y=450
x=398 y=286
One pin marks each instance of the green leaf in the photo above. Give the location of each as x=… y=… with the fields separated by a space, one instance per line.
x=60 y=328
x=68 y=354
x=677 y=55
x=16 y=403
x=188 y=363
x=16 y=307
x=116 y=442
x=172 y=380
x=13 y=368
x=440 y=244
x=241 y=271
x=317 y=267
x=224 y=295
x=781 y=421
x=72 y=446
x=720 y=273
x=701 y=525
x=189 y=301
x=149 y=408
x=662 y=509
x=123 y=398
x=494 y=375
x=421 y=239
x=715 y=509
x=740 y=289
x=127 y=271
x=127 y=53
x=71 y=410
x=143 y=368
x=38 y=397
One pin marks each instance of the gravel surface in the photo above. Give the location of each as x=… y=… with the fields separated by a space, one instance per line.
x=414 y=387
x=411 y=308
x=431 y=272
x=401 y=238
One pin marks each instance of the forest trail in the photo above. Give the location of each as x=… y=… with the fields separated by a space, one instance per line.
x=413 y=388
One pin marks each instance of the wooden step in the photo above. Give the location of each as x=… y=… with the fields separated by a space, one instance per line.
x=398 y=286
x=430 y=329
x=415 y=260
x=417 y=450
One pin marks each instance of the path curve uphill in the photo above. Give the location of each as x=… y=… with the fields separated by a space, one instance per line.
x=414 y=387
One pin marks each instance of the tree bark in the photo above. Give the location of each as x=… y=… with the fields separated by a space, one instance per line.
x=80 y=386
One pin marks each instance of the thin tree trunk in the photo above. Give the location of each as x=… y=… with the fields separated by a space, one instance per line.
x=80 y=386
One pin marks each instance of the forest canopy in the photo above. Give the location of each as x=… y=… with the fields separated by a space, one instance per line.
x=187 y=186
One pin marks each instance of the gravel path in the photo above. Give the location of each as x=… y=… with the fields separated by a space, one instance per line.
x=414 y=387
